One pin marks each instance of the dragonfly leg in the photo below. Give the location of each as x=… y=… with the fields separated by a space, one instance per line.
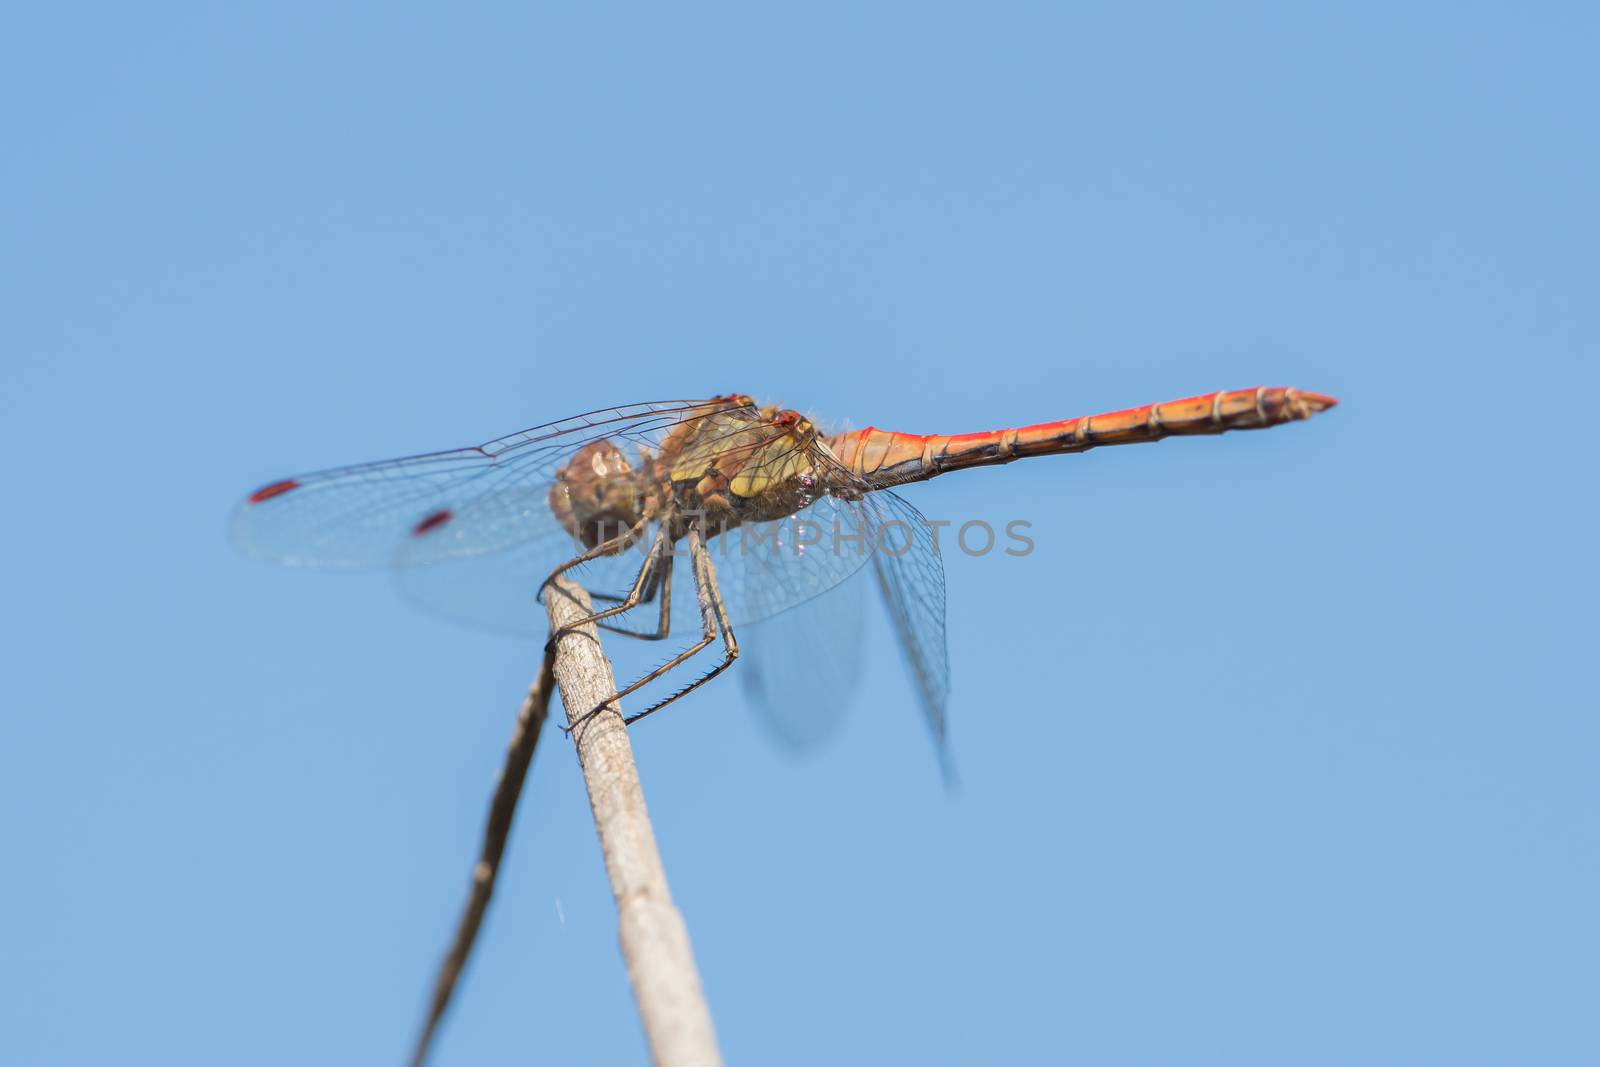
x=649 y=597
x=609 y=547
x=651 y=562
x=714 y=614
x=660 y=581
x=713 y=618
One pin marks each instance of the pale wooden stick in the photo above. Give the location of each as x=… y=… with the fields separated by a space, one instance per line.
x=655 y=941
x=519 y=753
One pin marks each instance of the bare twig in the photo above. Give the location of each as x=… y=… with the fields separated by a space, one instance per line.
x=655 y=941
x=519 y=753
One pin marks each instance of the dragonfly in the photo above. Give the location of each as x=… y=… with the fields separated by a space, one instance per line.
x=761 y=508
x=755 y=508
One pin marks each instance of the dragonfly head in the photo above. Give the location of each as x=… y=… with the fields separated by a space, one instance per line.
x=596 y=496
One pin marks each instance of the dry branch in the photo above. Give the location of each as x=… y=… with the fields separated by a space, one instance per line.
x=519 y=753
x=655 y=941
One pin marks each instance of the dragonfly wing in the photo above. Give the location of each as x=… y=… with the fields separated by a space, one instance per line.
x=497 y=591
x=800 y=667
x=763 y=570
x=500 y=590
x=471 y=536
x=767 y=568
x=911 y=576
x=466 y=501
x=772 y=570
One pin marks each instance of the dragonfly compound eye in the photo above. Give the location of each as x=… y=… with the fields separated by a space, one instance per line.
x=595 y=495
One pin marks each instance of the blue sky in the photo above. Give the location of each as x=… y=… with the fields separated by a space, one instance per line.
x=1279 y=749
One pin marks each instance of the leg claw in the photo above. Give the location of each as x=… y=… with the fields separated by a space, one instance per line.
x=583 y=720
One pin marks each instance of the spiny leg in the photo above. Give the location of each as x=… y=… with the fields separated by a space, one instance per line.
x=709 y=614
x=609 y=547
x=648 y=598
x=660 y=581
x=651 y=560
x=519 y=753
x=711 y=590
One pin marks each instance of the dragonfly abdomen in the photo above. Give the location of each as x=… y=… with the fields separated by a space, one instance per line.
x=883 y=458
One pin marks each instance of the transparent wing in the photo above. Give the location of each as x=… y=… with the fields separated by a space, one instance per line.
x=468 y=500
x=766 y=568
x=911 y=577
x=807 y=656
x=763 y=570
x=471 y=536
x=800 y=668
x=499 y=591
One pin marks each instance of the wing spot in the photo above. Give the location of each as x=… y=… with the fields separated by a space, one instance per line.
x=432 y=522
x=267 y=492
